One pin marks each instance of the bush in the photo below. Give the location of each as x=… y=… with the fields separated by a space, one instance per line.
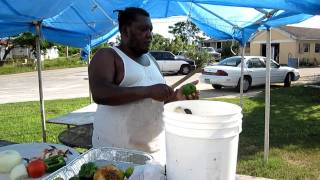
x=226 y=49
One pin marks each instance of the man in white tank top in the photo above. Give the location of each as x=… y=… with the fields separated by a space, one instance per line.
x=130 y=90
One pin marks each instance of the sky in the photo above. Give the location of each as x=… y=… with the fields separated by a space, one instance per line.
x=313 y=22
x=161 y=26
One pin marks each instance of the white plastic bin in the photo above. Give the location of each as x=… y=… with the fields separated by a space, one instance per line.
x=203 y=145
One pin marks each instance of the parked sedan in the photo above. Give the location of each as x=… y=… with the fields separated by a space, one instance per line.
x=169 y=63
x=227 y=73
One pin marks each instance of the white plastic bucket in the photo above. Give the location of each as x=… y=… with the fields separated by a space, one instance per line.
x=203 y=145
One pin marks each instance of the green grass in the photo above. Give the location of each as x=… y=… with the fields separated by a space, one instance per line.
x=14 y=67
x=294 y=131
x=21 y=122
x=294 y=135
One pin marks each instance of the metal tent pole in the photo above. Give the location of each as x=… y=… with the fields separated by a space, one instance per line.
x=89 y=58
x=242 y=49
x=67 y=51
x=43 y=116
x=267 y=98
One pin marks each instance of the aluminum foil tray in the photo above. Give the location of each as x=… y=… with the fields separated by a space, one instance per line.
x=122 y=158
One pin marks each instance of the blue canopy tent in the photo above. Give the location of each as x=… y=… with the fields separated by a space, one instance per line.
x=88 y=23
x=75 y=23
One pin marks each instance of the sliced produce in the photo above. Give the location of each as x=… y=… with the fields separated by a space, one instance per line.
x=19 y=172
x=36 y=168
x=75 y=178
x=128 y=172
x=8 y=160
x=54 y=163
x=182 y=110
x=87 y=170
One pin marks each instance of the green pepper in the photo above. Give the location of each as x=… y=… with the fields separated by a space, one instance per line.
x=75 y=178
x=58 y=178
x=87 y=170
x=128 y=172
x=54 y=163
x=189 y=89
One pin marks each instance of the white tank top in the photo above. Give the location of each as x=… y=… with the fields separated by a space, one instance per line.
x=136 y=125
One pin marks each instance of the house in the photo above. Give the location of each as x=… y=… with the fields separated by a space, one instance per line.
x=216 y=44
x=27 y=53
x=289 y=42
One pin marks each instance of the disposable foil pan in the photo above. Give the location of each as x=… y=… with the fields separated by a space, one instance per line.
x=122 y=158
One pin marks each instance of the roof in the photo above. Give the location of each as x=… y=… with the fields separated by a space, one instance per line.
x=3 y=41
x=302 y=33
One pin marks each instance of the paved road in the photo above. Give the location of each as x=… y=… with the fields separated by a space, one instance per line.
x=73 y=82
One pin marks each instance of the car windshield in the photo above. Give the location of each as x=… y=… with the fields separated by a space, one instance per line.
x=231 y=61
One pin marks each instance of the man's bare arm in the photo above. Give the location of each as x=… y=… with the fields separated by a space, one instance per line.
x=102 y=74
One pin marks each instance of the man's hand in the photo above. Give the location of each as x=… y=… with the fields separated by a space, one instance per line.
x=180 y=96
x=160 y=92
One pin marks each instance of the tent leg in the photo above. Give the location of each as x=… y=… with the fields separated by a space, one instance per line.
x=267 y=98
x=39 y=67
x=89 y=59
x=242 y=49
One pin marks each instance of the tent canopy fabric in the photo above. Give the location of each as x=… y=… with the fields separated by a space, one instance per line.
x=88 y=23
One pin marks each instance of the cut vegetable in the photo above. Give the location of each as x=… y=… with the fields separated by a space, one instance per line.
x=8 y=160
x=19 y=172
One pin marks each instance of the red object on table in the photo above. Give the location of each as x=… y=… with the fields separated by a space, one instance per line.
x=36 y=168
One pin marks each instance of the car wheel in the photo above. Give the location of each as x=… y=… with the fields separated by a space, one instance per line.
x=287 y=80
x=185 y=69
x=246 y=84
x=216 y=86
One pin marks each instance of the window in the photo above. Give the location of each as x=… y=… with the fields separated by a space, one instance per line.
x=317 y=48
x=255 y=63
x=168 y=56
x=219 y=45
x=156 y=55
x=272 y=63
x=232 y=61
x=162 y=55
x=306 y=47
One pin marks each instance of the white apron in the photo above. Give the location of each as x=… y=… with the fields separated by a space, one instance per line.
x=137 y=125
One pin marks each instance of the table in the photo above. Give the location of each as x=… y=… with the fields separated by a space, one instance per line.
x=6 y=143
x=78 y=117
x=78 y=136
x=31 y=150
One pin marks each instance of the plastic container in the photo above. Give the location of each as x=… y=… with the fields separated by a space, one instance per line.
x=202 y=145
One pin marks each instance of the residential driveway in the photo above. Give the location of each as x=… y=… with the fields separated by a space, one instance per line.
x=73 y=82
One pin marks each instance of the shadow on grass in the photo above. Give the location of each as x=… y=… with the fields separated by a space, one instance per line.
x=294 y=120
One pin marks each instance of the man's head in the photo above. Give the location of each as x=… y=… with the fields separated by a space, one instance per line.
x=136 y=29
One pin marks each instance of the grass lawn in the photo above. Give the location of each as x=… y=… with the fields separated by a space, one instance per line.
x=294 y=135
x=294 y=131
x=21 y=122
x=59 y=63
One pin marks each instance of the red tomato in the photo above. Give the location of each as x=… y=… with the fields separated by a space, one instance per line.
x=36 y=168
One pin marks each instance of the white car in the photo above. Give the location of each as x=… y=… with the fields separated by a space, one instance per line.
x=214 y=54
x=169 y=63
x=227 y=73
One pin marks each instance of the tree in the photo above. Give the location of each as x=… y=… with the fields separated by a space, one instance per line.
x=226 y=49
x=185 y=30
x=25 y=40
x=160 y=43
x=71 y=50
